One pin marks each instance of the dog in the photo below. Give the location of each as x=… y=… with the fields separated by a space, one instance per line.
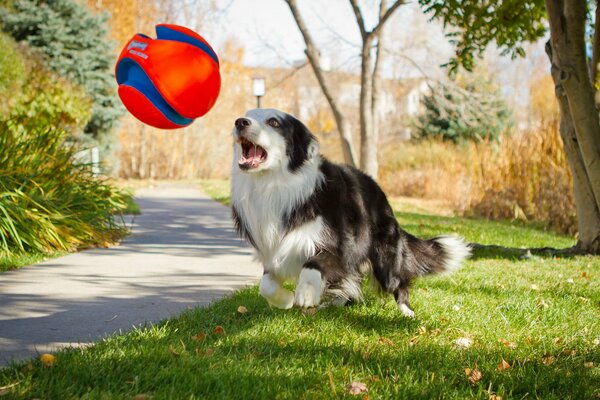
x=321 y=225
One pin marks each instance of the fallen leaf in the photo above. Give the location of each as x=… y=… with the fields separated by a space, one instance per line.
x=422 y=330
x=455 y=308
x=468 y=371
x=542 y=303
x=219 y=330
x=209 y=352
x=475 y=376
x=504 y=365
x=508 y=344
x=548 y=360
x=589 y=364
x=242 y=310
x=463 y=343
x=584 y=274
x=357 y=388
x=494 y=397
x=48 y=360
x=4 y=390
x=534 y=287
x=596 y=342
x=200 y=336
x=569 y=352
x=570 y=280
x=141 y=397
x=557 y=341
x=386 y=341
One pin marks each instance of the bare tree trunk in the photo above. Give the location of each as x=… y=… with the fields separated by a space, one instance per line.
x=376 y=93
x=580 y=124
x=312 y=54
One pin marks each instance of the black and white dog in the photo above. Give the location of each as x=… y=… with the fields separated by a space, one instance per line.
x=321 y=225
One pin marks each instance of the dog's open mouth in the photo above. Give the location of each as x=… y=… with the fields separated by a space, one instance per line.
x=252 y=154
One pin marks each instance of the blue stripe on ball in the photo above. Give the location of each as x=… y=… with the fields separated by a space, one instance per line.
x=131 y=74
x=165 y=33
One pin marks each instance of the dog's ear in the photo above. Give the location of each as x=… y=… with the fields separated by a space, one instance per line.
x=305 y=145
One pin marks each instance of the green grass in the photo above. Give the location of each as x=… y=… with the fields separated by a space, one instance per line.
x=14 y=261
x=541 y=315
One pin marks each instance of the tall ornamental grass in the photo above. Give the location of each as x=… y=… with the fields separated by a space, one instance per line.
x=48 y=201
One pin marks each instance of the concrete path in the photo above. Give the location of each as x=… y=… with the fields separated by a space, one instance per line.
x=183 y=252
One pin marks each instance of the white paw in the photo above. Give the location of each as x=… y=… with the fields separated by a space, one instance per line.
x=276 y=295
x=284 y=299
x=309 y=289
x=406 y=311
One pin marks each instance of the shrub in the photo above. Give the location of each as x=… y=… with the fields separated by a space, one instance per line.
x=468 y=109
x=48 y=202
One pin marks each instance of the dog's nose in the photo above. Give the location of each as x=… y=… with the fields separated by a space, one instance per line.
x=241 y=123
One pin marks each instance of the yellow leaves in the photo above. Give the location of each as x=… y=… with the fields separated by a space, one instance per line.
x=242 y=310
x=588 y=364
x=47 y=360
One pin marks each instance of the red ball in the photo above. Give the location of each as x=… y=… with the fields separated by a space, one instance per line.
x=169 y=81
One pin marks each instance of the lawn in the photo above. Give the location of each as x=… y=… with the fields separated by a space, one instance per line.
x=499 y=327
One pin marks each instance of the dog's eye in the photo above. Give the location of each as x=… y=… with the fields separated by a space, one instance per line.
x=272 y=122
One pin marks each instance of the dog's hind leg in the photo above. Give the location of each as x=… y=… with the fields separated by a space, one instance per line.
x=276 y=295
x=401 y=296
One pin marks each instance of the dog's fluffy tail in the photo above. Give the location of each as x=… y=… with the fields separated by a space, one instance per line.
x=443 y=254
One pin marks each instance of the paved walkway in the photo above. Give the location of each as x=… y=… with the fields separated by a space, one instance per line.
x=183 y=252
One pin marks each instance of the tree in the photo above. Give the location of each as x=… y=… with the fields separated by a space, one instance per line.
x=370 y=71
x=468 y=109
x=74 y=44
x=509 y=24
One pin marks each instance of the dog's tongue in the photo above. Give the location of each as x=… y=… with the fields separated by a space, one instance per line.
x=254 y=156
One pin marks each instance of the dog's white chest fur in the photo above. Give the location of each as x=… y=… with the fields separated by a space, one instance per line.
x=262 y=203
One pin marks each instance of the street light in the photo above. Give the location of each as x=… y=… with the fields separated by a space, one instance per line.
x=258 y=88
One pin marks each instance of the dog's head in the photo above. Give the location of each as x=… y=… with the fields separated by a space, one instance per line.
x=267 y=139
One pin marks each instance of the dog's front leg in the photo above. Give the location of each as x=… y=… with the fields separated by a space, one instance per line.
x=310 y=287
x=277 y=296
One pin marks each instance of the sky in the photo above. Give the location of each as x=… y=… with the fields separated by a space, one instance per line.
x=267 y=31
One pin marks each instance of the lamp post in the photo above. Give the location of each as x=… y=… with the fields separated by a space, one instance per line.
x=258 y=88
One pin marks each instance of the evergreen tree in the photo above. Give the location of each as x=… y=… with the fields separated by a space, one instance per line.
x=75 y=45
x=468 y=109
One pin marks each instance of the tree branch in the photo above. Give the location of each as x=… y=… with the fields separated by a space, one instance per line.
x=386 y=16
x=314 y=59
x=360 y=21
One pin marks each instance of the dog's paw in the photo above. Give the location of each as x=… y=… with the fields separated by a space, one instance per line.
x=309 y=289
x=406 y=311
x=283 y=299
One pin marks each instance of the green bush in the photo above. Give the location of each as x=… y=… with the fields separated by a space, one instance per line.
x=12 y=71
x=47 y=201
x=468 y=109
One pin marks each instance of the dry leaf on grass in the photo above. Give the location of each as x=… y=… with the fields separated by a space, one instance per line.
x=141 y=397
x=200 y=336
x=386 y=341
x=219 y=330
x=504 y=365
x=494 y=397
x=534 y=287
x=475 y=376
x=242 y=310
x=463 y=343
x=548 y=360
x=309 y=311
x=589 y=364
x=508 y=344
x=357 y=388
